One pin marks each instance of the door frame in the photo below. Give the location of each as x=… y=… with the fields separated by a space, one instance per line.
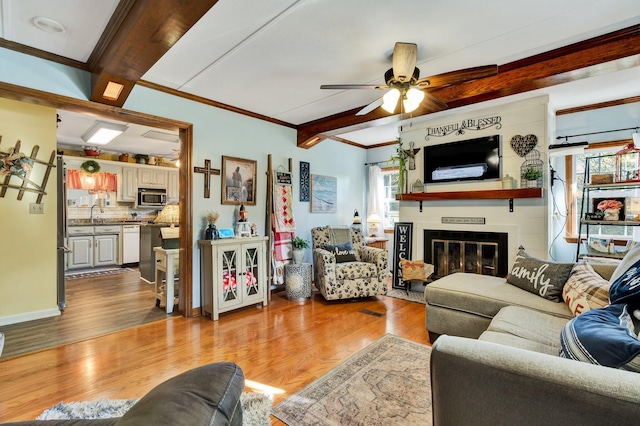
x=185 y=131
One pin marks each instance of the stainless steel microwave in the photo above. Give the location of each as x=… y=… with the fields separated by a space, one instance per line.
x=151 y=197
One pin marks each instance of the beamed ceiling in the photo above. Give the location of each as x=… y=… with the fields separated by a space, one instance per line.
x=268 y=59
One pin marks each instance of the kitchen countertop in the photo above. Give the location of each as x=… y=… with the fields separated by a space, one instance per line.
x=98 y=222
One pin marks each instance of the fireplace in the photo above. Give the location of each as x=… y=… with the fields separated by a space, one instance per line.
x=466 y=251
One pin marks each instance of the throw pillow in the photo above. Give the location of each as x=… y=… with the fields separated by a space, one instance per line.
x=602 y=266
x=585 y=290
x=625 y=281
x=602 y=336
x=412 y=270
x=342 y=252
x=543 y=278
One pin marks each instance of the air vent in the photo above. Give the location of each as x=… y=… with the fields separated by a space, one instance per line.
x=372 y=313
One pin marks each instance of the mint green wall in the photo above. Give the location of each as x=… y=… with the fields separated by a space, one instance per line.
x=218 y=132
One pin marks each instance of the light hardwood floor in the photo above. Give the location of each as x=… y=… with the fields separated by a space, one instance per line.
x=285 y=345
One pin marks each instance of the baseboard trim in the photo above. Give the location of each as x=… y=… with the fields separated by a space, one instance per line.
x=29 y=316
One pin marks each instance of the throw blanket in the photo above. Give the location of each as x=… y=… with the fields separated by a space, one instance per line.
x=281 y=253
x=339 y=235
x=283 y=208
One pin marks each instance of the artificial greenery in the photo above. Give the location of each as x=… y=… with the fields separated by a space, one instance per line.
x=532 y=174
x=299 y=243
x=90 y=166
x=141 y=158
x=400 y=158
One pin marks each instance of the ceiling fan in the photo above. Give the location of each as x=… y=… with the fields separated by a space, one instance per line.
x=404 y=84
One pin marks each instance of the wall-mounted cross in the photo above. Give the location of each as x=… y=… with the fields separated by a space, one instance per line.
x=208 y=171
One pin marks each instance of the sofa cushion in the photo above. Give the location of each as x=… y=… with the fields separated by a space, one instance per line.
x=585 y=290
x=631 y=258
x=485 y=295
x=602 y=266
x=602 y=336
x=354 y=270
x=342 y=252
x=529 y=325
x=626 y=287
x=541 y=277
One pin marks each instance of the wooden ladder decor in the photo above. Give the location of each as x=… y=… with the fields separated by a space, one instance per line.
x=8 y=158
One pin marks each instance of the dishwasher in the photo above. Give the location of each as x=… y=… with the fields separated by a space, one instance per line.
x=130 y=244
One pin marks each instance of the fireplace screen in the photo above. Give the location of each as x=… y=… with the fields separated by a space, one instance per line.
x=460 y=251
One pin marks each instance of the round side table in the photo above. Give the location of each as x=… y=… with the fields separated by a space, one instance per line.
x=297 y=278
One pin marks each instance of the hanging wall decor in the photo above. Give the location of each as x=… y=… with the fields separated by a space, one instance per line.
x=531 y=170
x=522 y=145
x=304 y=181
x=238 y=181
x=15 y=164
x=207 y=171
x=324 y=194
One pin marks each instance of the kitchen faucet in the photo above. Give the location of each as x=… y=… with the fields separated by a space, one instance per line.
x=96 y=205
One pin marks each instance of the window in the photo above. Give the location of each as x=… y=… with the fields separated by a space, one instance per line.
x=391 y=205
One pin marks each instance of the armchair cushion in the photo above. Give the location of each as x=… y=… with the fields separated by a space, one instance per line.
x=342 y=252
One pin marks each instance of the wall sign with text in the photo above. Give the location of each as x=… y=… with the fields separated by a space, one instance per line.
x=402 y=244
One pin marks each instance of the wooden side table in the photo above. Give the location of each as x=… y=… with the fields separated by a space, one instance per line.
x=297 y=279
x=380 y=243
x=167 y=261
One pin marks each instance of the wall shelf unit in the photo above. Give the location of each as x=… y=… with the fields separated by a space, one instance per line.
x=489 y=194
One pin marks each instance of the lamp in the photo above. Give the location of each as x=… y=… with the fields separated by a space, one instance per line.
x=169 y=214
x=374 y=222
x=412 y=99
x=102 y=132
x=390 y=100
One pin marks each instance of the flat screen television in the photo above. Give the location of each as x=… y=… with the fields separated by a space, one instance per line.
x=468 y=160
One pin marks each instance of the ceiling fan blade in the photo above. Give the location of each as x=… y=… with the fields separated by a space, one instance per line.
x=373 y=105
x=352 y=86
x=459 y=76
x=434 y=104
x=404 y=61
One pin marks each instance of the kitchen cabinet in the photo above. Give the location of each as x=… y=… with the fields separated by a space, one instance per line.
x=128 y=184
x=93 y=246
x=232 y=274
x=173 y=187
x=152 y=177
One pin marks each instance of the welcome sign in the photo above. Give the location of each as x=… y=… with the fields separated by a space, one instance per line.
x=402 y=244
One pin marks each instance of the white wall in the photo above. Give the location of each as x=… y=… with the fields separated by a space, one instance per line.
x=527 y=225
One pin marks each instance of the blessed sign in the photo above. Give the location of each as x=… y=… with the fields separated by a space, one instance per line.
x=469 y=124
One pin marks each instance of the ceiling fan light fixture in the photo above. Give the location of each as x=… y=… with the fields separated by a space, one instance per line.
x=390 y=100
x=412 y=99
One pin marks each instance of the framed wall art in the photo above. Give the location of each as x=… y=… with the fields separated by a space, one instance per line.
x=304 y=181
x=238 y=181
x=324 y=194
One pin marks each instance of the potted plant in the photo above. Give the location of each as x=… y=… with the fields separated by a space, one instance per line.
x=299 y=245
x=531 y=176
x=141 y=158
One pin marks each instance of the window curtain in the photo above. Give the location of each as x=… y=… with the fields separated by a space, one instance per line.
x=376 y=197
x=101 y=181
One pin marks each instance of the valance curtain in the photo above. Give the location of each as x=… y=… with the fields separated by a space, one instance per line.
x=101 y=181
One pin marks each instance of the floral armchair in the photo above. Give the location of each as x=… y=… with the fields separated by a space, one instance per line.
x=363 y=277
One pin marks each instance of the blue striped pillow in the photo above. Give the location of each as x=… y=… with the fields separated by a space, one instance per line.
x=602 y=336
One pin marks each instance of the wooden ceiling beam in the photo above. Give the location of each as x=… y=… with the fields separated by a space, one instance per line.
x=600 y=55
x=138 y=35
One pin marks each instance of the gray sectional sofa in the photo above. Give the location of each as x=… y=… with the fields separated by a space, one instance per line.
x=495 y=361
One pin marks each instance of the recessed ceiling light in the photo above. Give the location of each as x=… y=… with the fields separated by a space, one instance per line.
x=48 y=25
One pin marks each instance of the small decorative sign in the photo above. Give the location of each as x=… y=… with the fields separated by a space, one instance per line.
x=283 y=178
x=469 y=124
x=402 y=246
x=304 y=182
x=464 y=220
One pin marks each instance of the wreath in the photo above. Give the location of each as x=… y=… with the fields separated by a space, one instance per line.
x=90 y=166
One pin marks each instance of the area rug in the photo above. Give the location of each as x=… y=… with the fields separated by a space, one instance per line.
x=386 y=383
x=256 y=408
x=99 y=273
x=413 y=296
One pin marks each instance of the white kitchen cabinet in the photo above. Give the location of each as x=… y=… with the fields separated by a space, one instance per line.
x=97 y=247
x=173 y=187
x=128 y=184
x=232 y=274
x=150 y=177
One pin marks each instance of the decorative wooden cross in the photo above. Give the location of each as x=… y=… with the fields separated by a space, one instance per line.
x=208 y=171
